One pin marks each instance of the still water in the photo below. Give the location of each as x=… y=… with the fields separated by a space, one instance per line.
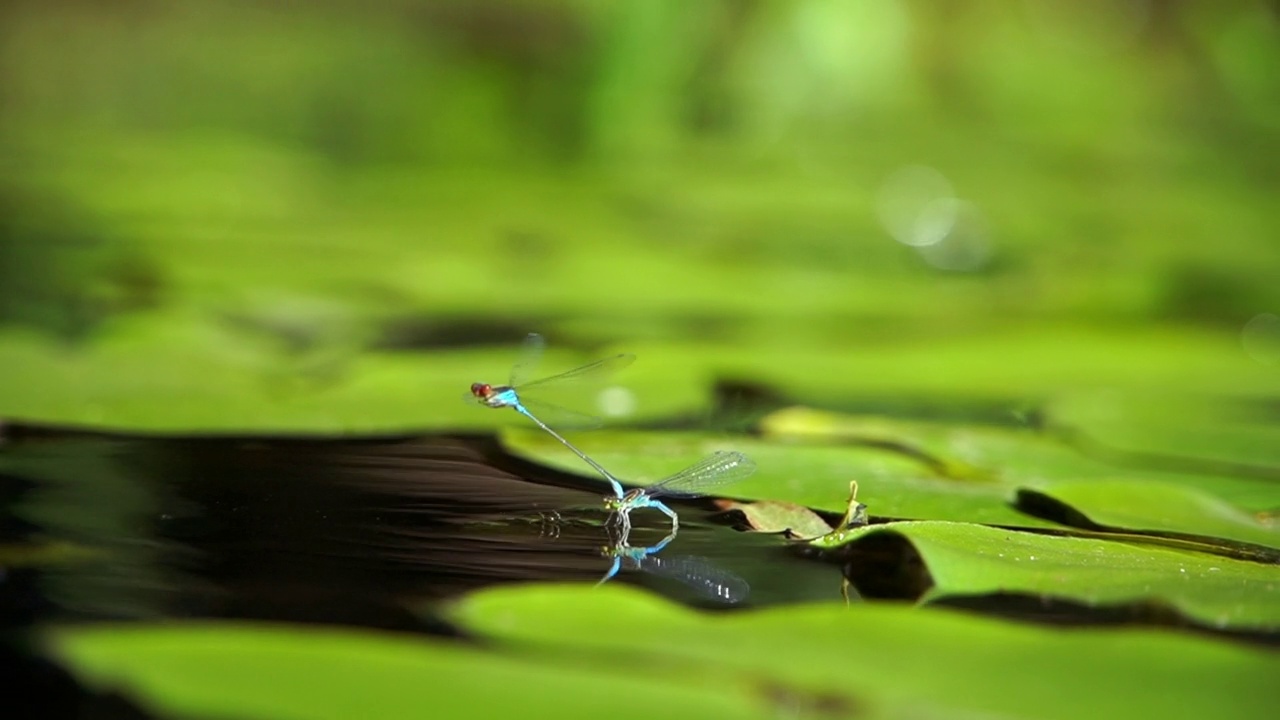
x=369 y=532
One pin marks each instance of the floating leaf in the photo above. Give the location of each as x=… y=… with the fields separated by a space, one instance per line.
x=813 y=476
x=1158 y=506
x=1015 y=455
x=865 y=660
x=1173 y=429
x=1108 y=494
x=233 y=383
x=966 y=559
x=1013 y=362
x=270 y=672
x=914 y=441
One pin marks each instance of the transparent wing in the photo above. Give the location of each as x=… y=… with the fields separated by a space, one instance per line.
x=527 y=363
x=715 y=470
x=560 y=417
x=706 y=578
x=590 y=370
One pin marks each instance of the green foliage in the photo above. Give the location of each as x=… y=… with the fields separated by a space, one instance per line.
x=221 y=218
x=274 y=672
x=578 y=652
x=869 y=656
x=967 y=559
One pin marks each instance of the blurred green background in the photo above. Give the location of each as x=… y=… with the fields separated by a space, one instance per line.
x=334 y=216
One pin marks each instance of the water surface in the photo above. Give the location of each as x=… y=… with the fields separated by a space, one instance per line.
x=360 y=532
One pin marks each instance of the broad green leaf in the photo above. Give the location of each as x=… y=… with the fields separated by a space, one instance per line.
x=868 y=658
x=1014 y=363
x=1163 y=507
x=947 y=451
x=235 y=376
x=967 y=559
x=972 y=450
x=248 y=671
x=128 y=378
x=1021 y=456
x=1208 y=431
x=892 y=485
x=1131 y=497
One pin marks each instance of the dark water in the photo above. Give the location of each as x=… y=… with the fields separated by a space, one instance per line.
x=360 y=532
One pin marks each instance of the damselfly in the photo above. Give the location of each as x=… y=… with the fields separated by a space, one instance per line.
x=511 y=395
x=715 y=470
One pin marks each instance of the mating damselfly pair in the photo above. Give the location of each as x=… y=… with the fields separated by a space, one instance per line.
x=715 y=470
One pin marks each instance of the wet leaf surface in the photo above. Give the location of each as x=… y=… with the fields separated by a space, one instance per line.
x=967 y=559
x=815 y=476
x=1127 y=673
x=1156 y=506
x=272 y=672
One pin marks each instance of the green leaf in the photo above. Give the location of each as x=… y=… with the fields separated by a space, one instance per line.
x=277 y=673
x=1163 y=507
x=1017 y=363
x=814 y=476
x=233 y=382
x=1108 y=494
x=937 y=448
x=1192 y=430
x=967 y=559
x=867 y=658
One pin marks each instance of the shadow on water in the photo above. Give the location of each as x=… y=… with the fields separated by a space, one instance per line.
x=358 y=532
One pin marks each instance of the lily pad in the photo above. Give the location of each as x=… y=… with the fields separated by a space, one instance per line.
x=1127 y=497
x=229 y=382
x=914 y=440
x=966 y=559
x=813 y=365
x=273 y=672
x=865 y=659
x=813 y=476
x=1020 y=455
x=999 y=451
x=1163 y=507
x=1231 y=436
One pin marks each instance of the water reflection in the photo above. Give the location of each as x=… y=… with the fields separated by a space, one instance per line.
x=700 y=574
x=364 y=532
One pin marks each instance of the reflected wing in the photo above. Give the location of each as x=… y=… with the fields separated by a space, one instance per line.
x=527 y=363
x=715 y=470
x=700 y=574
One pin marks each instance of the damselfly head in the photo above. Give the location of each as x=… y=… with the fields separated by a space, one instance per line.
x=612 y=503
x=481 y=390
